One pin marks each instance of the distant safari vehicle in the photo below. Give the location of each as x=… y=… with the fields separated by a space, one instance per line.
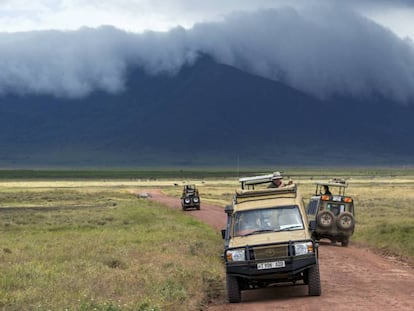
x=333 y=212
x=268 y=240
x=190 y=197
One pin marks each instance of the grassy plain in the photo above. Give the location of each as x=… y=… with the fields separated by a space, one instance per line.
x=89 y=244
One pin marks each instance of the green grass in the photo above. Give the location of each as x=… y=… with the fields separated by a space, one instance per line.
x=103 y=250
x=88 y=244
x=385 y=219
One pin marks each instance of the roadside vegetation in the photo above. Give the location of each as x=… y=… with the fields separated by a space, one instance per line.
x=385 y=219
x=79 y=243
x=89 y=246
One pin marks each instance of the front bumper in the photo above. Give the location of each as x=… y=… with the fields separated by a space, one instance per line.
x=293 y=267
x=293 y=264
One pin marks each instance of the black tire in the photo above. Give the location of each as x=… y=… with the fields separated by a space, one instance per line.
x=325 y=219
x=345 y=221
x=233 y=289
x=345 y=242
x=314 y=281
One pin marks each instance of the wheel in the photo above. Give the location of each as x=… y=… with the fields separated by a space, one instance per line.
x=345 y=242
x=325 y=219
x=314 y=281
x=345 y=221
x=233 y=289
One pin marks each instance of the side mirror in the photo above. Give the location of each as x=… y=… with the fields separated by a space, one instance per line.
x=223 y=233
x=228 y=209
x=312 y=225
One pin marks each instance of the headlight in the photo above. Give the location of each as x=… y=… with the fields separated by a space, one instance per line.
x=187 y=200
x=195 y=200
x=236 y=255
x=303 y=248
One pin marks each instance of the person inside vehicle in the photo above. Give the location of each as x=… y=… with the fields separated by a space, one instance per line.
x=276 y=181
x=247 y=223
x=326 y=190
x=252 y=221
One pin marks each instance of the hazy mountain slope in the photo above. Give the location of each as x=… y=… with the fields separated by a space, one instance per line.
x=206 y=114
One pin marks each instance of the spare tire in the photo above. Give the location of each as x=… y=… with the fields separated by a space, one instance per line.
x=325 y=219
x=345 y=221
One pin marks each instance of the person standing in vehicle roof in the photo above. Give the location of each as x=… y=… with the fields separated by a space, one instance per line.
x=326 y=190
x=277 y=181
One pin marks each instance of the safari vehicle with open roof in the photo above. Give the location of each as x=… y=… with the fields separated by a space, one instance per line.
x=267 y=239
x=333 y=212
x=190 y=197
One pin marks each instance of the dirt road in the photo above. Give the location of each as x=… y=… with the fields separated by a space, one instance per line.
x=352 y=278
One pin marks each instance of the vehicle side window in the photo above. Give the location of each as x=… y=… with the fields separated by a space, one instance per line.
x=312 y=207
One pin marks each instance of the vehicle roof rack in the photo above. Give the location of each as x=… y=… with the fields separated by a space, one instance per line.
x=243 y=195
x=335 y=182
x=257 y=180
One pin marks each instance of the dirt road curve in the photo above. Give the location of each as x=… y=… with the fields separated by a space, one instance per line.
x=352 y=278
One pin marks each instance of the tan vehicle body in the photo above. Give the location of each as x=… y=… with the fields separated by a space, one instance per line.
x=267 y=238
x=268 y=241
x=271 y=200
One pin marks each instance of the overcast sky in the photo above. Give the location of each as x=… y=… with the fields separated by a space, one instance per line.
x=139 y=15
x=323 y=47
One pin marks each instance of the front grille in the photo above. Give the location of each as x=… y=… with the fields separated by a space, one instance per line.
x=270 y=251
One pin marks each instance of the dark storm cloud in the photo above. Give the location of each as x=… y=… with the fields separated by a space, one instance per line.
x=322 y=52
x=75 y=63
x=64 y=64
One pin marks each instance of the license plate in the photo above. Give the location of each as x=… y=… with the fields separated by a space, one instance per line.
x=270 y=265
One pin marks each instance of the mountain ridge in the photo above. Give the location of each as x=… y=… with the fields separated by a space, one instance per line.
x=206 y=114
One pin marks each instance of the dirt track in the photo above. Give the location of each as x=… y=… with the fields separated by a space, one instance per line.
x=352 y=278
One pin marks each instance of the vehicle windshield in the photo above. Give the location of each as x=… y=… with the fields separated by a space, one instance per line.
x=272 y=219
